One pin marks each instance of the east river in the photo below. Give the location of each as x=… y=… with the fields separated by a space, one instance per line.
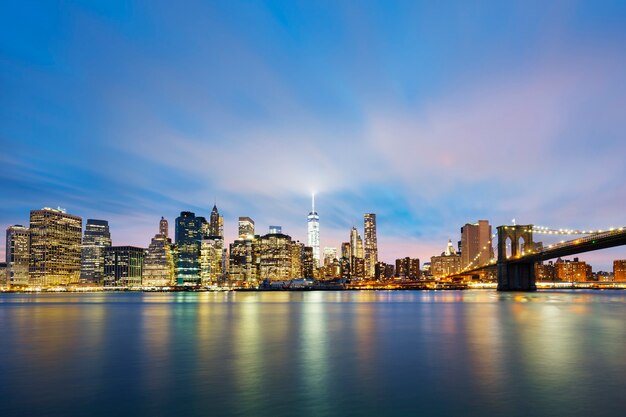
x=349 y=353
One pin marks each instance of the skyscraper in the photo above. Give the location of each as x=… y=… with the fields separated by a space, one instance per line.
x=313 y=232
x=246 y=228
x=123 y=266
x=158 y=262
x=476 y=248
x=55 y=239
x=371 y=244
x=188 y=236
x=217 y=223
x=17 y=249
x=275 y=261
x=330 y=254
x=97 y=237
x=357 y=263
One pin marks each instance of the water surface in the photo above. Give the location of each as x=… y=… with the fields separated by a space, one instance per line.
x=369 y=353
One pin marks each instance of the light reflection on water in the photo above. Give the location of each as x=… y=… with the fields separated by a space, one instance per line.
x=313 y=353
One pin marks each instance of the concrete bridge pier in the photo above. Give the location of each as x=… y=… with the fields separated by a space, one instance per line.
x=516 y=276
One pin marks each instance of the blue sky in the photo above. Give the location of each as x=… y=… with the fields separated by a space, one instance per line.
x=429 y=114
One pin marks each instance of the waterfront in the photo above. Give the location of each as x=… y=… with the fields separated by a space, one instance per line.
x=314 y=353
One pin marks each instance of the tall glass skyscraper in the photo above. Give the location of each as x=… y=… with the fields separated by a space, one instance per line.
x=97 y=237
x=313 y=232
x=371 y=244
x=188 y=236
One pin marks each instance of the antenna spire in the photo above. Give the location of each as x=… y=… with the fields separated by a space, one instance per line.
x=312 y=202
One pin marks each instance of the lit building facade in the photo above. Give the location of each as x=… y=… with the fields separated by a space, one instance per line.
x=211 y=263
x=619 y=270
x=371 y=244
x=330 y=254
x=246 y=228
x=476 y=247
x=308 y=263
x=572 y=271
x=545 y=272
x=275 y=257
x=188 y=234
x=447 y=264
x=158 y=263
x=55 y=239
x=123 y=266
x=313 y=232
x=96 y=239
x=17 y=255
x=241 y=260
x=408 y=268
x=217 y=223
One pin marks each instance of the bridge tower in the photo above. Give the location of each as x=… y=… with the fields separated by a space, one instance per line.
x=515 y=273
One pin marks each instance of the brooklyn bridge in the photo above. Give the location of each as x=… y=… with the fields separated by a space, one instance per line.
x=518 y=252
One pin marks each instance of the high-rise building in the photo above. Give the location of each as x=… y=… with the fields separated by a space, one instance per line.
x=408 y=268
x=308 y=263
x=476 y=247
x=313 y=232
x=123 y=266
x=158 y=262
x=357 y=262
x=275 y=257
x=297 y=250
x=163 y=228
x=330 y=254
x=17 y=255
x=217 y=223
x=246 y=228
x=346 y=250
x=3 y=274
x=55 y=239
x=97 y=237
x=188 y=236
x=383 y=271
x=371 y=245
x=211 y=265
x=619 y=270
x=447 y=264
x=241 y=259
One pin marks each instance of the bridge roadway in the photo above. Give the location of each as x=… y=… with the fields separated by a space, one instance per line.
x=589 y=243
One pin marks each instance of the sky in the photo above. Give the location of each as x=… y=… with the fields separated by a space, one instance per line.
x=429 y=114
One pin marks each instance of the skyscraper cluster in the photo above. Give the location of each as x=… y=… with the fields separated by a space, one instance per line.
x=54 y=251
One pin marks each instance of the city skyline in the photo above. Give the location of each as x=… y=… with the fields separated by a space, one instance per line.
x=414 y=125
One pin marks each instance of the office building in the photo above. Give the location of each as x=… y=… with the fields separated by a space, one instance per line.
x=241 y=259
x=217 y=223
x=448 y=263
x=17 y=255
x=275 y=256
x=330 y=254
x=246 y=228
x=313 y=232
x=158 y=263
x=476 y=247
x=188 y=234
x=55 y=239
x=371 y=244
x=96 y=239
x=123 y=266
